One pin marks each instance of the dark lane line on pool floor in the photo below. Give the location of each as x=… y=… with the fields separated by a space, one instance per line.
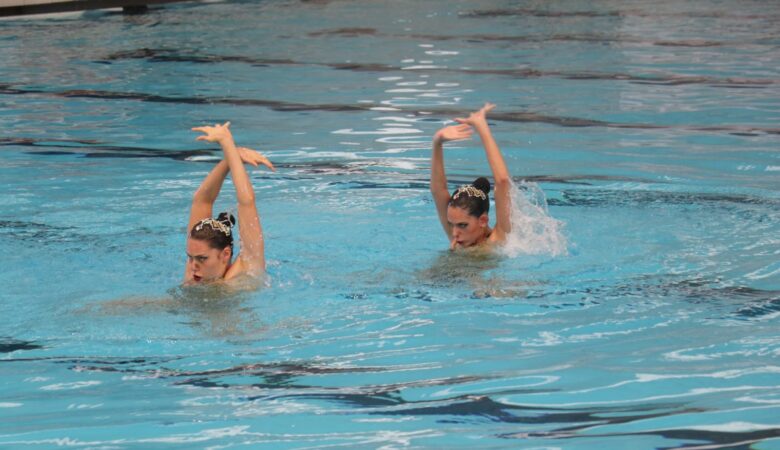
x=176 y=56
x=280 y=106
x=10 y=345
x=621 y=13
x=601 y=39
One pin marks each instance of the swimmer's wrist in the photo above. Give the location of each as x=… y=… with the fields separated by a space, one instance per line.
x=482 y=129
x=227 y=140
x=481 y=125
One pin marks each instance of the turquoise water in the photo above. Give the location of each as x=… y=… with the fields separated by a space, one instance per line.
x=640 y=309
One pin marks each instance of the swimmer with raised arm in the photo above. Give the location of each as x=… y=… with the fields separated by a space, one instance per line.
x=464 y=214
x=210 y=240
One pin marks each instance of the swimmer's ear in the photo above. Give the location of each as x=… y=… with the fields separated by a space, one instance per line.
x=226 y=254
x=483 y=220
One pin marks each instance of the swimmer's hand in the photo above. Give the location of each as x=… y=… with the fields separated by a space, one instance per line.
x=217 y=133
x=477 y=118
x=453 y=133
x=253 y=157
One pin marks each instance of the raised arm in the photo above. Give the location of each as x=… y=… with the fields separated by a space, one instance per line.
x=204 y=198
x=439 y=190
x=501 y=177
x=252 y=257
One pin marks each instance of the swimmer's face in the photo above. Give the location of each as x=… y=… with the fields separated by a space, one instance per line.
x=206 y=264
x=467 y=230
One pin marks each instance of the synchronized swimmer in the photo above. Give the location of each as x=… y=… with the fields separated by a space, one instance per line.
x=210 y=240
x=463 y=215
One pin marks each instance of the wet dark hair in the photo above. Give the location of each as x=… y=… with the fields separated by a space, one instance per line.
x=214 y=235
x=465 y=197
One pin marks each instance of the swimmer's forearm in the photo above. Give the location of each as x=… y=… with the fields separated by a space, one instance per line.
x=244 y=192
x=438 y=176
x=209 y=189
x=493 y=153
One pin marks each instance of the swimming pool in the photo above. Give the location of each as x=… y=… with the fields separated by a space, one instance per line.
x=651 y=320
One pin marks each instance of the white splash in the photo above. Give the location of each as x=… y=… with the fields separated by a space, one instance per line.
x=200 y=158
x=534 y=231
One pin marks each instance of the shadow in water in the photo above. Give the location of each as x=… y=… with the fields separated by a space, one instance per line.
x=9 y=345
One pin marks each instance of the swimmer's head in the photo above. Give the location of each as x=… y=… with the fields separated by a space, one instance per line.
x=467 y=213
x=210 y=247
x=472 y=197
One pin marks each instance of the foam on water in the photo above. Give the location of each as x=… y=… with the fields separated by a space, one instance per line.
x=534 y=231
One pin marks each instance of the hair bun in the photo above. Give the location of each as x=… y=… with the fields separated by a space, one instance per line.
x=482 y=184
x=226 y=218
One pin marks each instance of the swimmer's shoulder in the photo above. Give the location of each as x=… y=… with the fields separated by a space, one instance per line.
x=235 y=269
x=496 y=237
x=239 y=273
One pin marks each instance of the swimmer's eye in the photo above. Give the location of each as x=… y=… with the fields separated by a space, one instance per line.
x=461 y=225
x=199 y=258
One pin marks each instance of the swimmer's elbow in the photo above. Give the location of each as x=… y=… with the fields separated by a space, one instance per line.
x=502 y=182
x=247 y=198
x=438 y=189
x=198 y=196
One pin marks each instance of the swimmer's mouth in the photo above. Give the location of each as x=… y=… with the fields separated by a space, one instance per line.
x=197 y=278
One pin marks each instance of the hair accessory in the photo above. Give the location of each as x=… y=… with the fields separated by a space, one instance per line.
x=214 y=224
x=470 y=191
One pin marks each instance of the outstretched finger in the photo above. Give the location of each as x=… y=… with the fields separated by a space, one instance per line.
x=268 y=164
x=203 y=129
x=488 y=107
x=202 y=138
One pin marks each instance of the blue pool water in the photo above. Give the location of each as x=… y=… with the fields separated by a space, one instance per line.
x=640 y=309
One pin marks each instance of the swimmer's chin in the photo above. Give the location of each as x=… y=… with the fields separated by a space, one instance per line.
x=255 y=278
x=459 y=245
x=478 y=247
x=197 y=281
